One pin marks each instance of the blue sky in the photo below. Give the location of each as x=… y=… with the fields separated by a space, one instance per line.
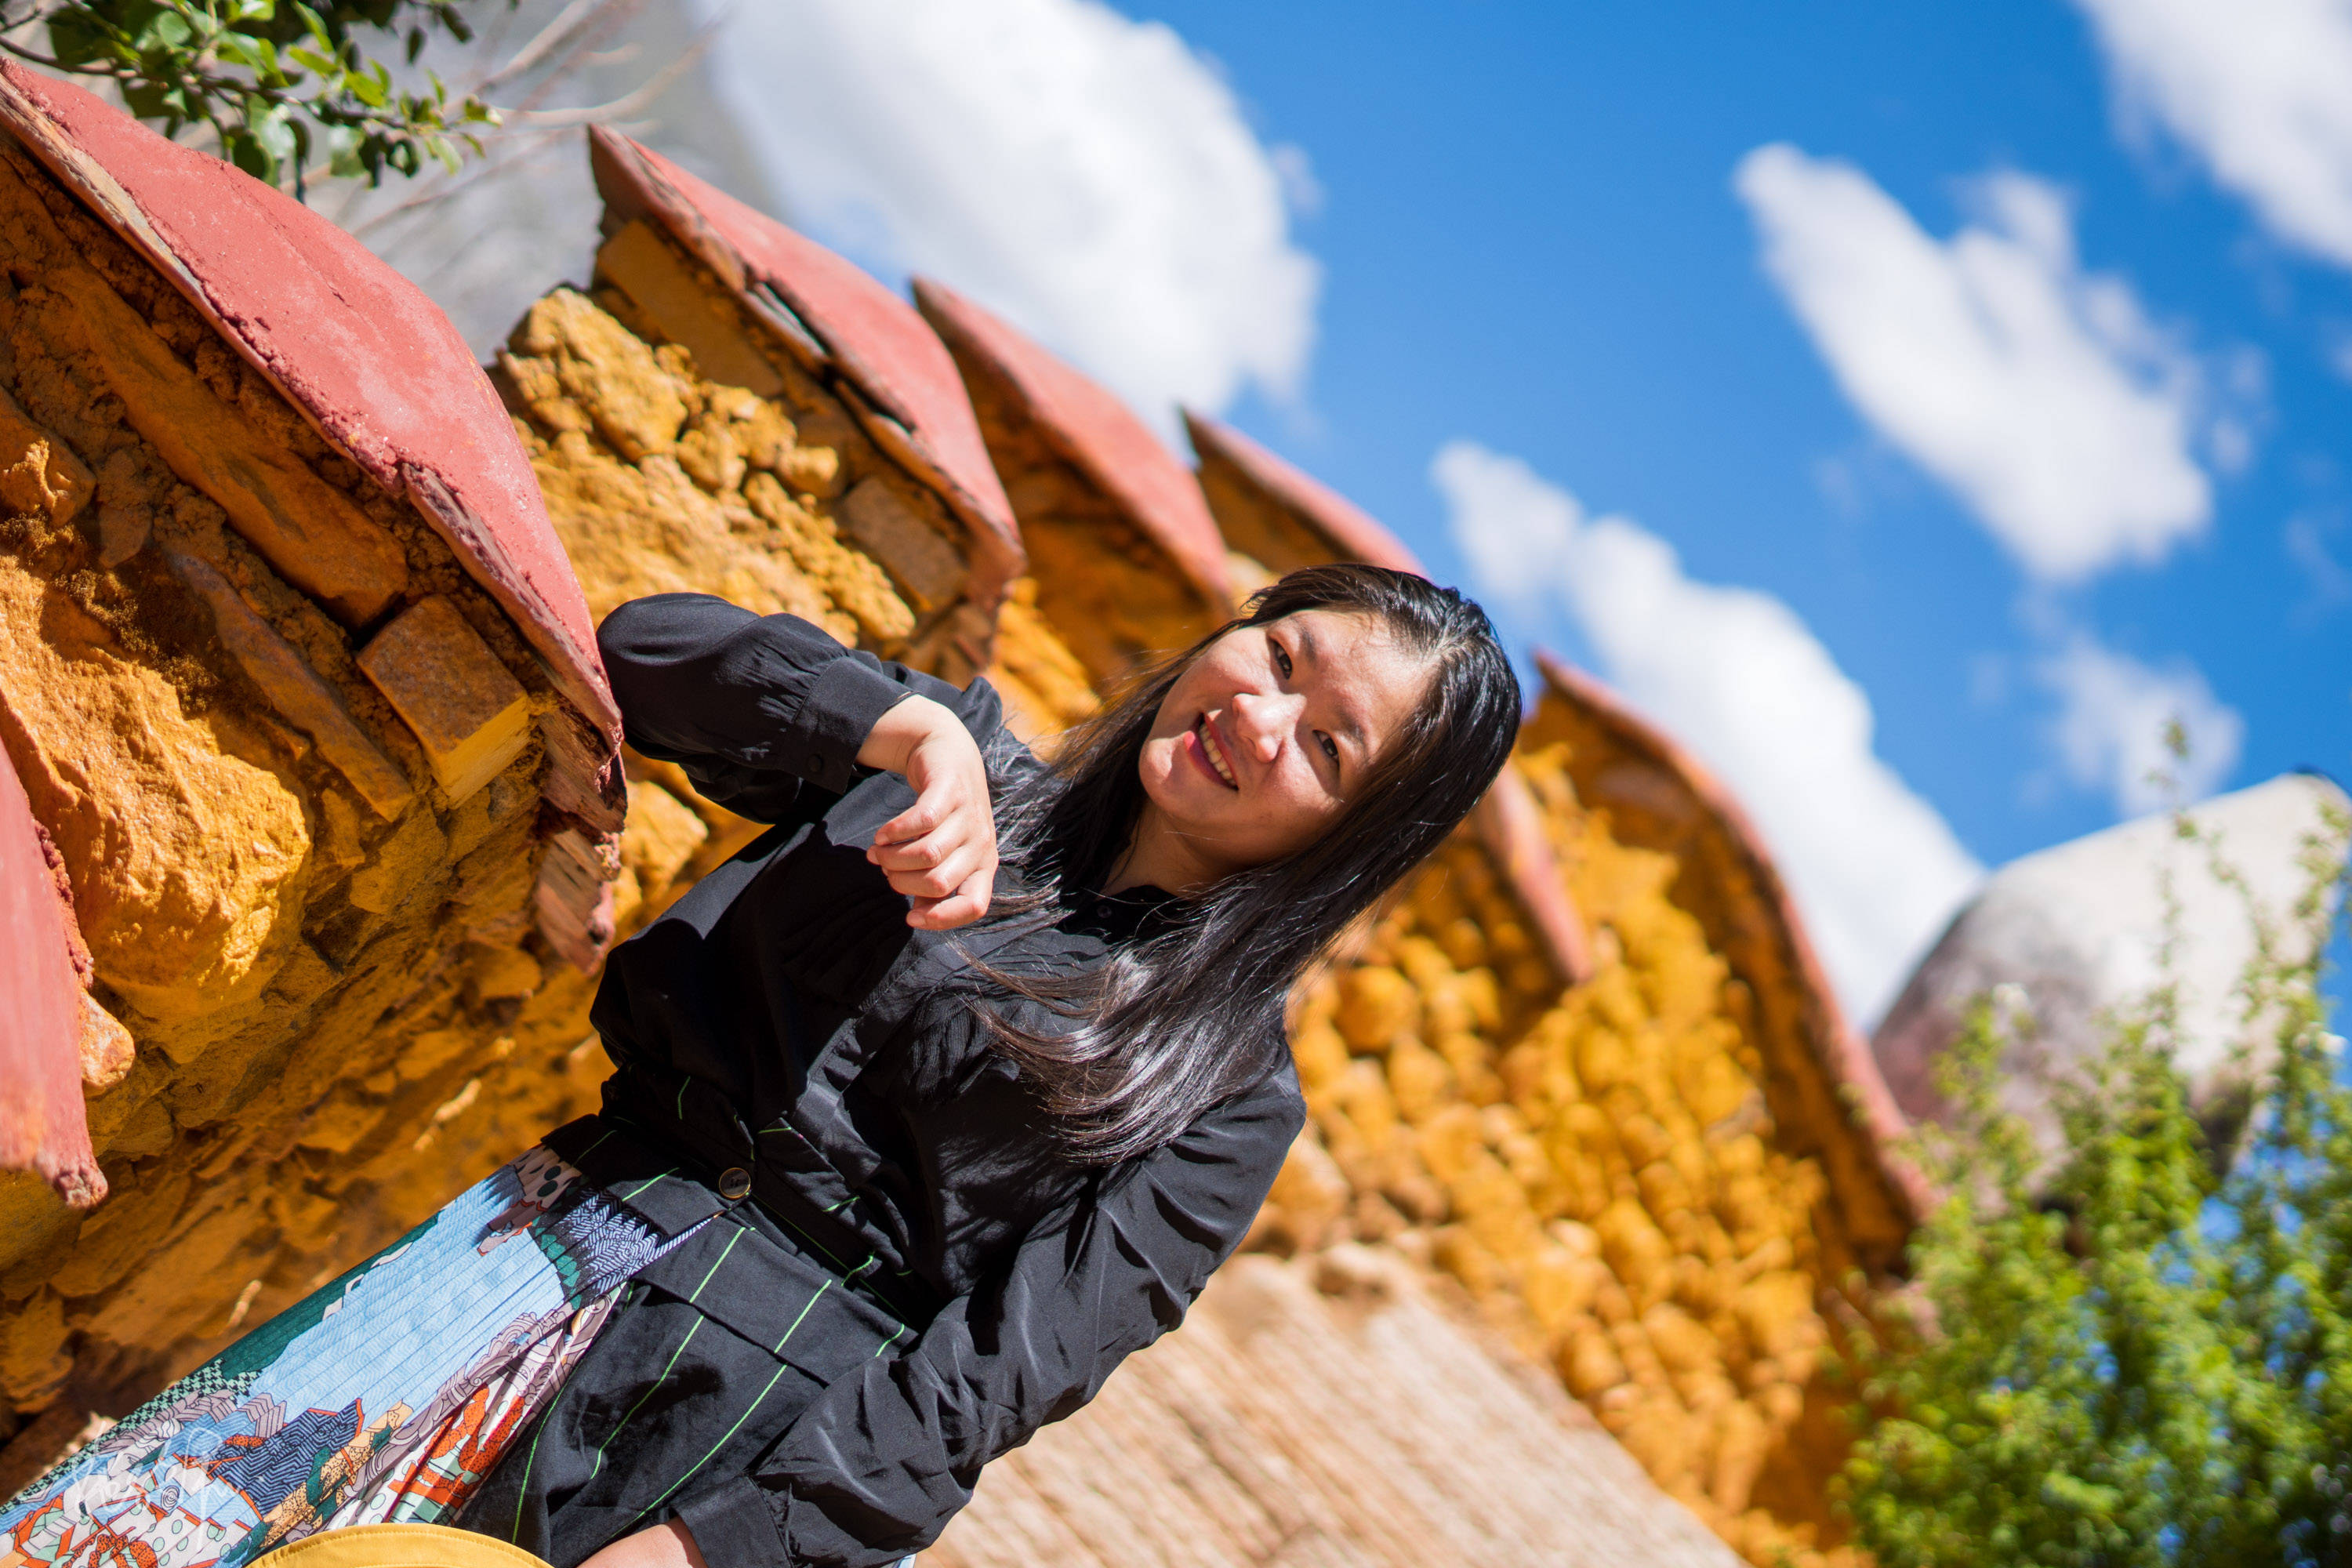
x=1532 y=239
x=1913 y=470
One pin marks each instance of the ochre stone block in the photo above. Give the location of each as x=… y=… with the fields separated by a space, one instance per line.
x=1045 y=687
x=308 y=530
x=33 y=1358
x=39 y=473
x=603 y=368
x=685 y=309
x=294 y=689
x=1376 y=1005
x=888 y=526
x=848 y=577
x=1309 y=1198
x=472 y=716
x=186 y=847
x=662 y=837
x=108 y=1051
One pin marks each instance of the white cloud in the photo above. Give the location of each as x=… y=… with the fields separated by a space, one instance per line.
x=2260 y=90
x=2039 y=393
x=2326 y=581
x=2114 y=713
x=1088 y=175
x=1736 y=676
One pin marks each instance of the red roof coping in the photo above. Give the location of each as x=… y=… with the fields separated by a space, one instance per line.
x=1843 y=1053
x=1094 y=431
x=43 y=1126
x=1511 y=826
x=869 y=334
x=371 y=362
x=1349 y=529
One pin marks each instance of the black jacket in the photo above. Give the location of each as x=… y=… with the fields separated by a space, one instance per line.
x=965 y=1281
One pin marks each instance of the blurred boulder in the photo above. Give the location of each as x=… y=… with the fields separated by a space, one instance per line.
x=2078 y=931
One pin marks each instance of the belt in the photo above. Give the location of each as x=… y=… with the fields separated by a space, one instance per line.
x=676 y=1139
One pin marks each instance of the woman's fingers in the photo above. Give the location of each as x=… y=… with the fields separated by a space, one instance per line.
x=941 y=852
x=952 y=803
x=965 y=905
x=943 y=877
x=932 y=808
x=937 y=847
x=921 y=854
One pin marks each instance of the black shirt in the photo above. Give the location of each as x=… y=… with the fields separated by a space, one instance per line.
x=782 y=1021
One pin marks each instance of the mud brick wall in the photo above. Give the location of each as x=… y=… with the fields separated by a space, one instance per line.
x=1105 y=588
x=305 y=869
x=1600 y=1170
x=1646 y=1180
x=761 y=487
x=287 y=750
x=741 y=473
x=1125 y=564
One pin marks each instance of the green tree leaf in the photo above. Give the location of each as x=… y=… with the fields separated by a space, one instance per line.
x=2133 y=1354
x=279 y=84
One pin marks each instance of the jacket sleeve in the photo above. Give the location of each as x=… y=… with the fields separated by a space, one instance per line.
x=753 y=707
x=878 y=1465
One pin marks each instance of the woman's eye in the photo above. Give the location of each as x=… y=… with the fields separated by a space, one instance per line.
x=1330 y=747
x=1281 y=658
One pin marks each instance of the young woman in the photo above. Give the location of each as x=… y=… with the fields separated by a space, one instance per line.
x=933 y=1103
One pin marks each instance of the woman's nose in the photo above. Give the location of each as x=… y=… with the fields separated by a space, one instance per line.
x=1264 y=720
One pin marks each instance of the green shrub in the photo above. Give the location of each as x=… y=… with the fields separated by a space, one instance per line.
x=2121 y=1355
x=280 y=84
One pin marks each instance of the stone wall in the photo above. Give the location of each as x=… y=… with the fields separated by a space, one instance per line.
x=1653 y=1182
x=1599 y=1169
x=289 y=753
x=1632 y=1150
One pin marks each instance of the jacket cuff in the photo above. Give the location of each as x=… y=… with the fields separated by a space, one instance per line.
x=841 y=708
x=812 y=1536
x=735 y=1526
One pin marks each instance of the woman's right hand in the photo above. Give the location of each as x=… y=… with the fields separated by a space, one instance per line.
x=941 y=852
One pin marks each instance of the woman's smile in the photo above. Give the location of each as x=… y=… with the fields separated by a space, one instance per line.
x=1213 y=756
x=1286 y=718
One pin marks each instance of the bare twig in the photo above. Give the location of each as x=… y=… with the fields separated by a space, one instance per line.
x=630 y=102
x=47 y=62
x=508 y=152
x=546 y=41
x=586 y=41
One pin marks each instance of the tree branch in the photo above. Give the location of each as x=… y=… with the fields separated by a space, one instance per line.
x=630 y=102
x=546 y=41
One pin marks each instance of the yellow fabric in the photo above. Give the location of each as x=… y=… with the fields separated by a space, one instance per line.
x=399 y=1546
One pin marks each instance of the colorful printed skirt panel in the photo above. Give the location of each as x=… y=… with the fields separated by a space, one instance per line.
x=385 y=1396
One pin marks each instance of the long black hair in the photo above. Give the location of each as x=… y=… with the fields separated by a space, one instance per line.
x=1192 y=1012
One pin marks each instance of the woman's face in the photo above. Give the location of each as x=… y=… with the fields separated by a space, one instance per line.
x=1263 y=740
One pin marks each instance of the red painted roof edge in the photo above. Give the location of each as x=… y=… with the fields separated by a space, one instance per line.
x=1842 y=1052
x=913 y=400
x=42 y=1125
x=1094 y=430
x=1510 y=823
x=444 y=443
x=552 y=613
x=1353 y=533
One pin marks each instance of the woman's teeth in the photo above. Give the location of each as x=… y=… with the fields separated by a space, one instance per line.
x=1214 y=752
